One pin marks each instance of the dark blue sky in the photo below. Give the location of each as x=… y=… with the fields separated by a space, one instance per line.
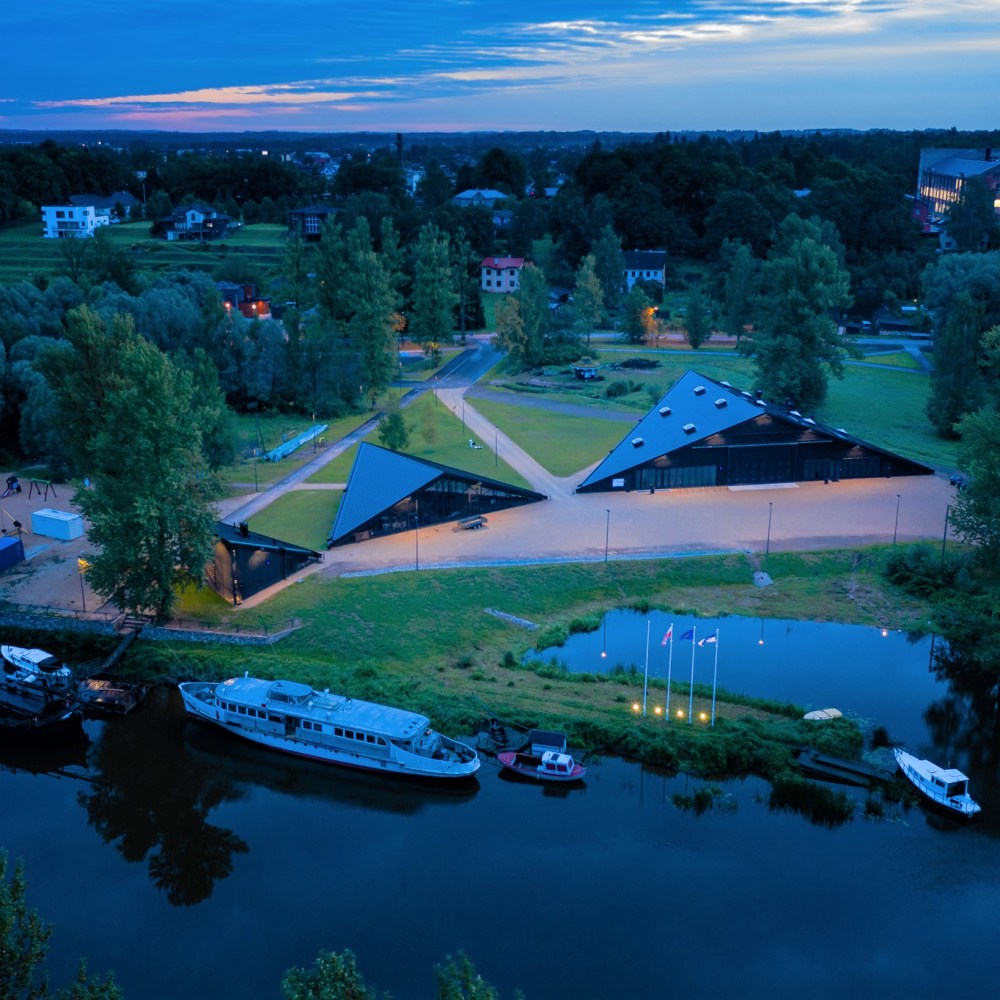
x=412 y=65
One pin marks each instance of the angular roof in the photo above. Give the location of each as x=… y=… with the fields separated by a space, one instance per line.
x=503 y=262
x=124 y=198
x=694 y=408
x=381 y=478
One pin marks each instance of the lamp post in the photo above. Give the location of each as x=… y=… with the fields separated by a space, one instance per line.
x=496 y=447
x=82 y=566
x=895 y=527
x=416 y=533
x=607 y=532
x=767 y=548
x=314 y=433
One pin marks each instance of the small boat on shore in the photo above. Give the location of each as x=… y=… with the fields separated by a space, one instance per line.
x=544 y=757
x=945 y=787
x=837 y=769
x=330 y=728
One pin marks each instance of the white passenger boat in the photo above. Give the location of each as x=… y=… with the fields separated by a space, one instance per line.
x=945 y=787
x=331 y=728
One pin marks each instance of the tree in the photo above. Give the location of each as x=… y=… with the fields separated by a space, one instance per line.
x=24 y=938
x=609 y=264
x=130 y=412
x=434 y=295
x=373 y=325
x=738 y=291
x=533 y=298
x=588 y=298
x=956 y=380
x=698 y=324
x=465 y=268
x=640 y=318
x=111 y=263
x=392 y=429
x=74 y=253
x=510 y=336
x=795 y=342
x=332 y=977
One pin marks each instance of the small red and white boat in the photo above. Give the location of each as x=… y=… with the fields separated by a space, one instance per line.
x=551 y=766
x=545 y=758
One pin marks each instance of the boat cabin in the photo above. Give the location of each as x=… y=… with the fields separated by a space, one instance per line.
x=556 y=763
x=951 y=783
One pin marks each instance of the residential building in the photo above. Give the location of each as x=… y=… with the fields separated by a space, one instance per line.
x=501 y=274
x=196 y=221
x=62 y=221
x=645 y=265
x=486 y=197
x=84 y=213
x=243 y=298
x=308 y=222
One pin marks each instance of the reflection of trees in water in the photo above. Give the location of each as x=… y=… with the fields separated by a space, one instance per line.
x=967 y=718
x=154 y=801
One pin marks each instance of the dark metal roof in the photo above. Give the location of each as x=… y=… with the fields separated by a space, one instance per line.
x=233 y=536
x=686 y=415
x=381 y=478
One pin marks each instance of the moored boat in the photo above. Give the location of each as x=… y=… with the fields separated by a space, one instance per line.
x=544 y=757
x=330 y=728
x=550 y=766
x=35 y=667
x=945 y=787
x=26 y=716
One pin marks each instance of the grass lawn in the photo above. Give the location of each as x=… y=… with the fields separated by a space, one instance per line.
x=303 y=517
x=897 y=359
x=560 y=443
x=24 y=252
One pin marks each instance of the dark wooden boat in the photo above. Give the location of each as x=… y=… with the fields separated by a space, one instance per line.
x=838 y=769
x=544 y=758
x=27 y=717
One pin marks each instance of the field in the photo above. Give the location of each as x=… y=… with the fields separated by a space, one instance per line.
x=25 y=254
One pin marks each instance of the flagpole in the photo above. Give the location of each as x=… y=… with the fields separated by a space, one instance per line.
x=670 y=665
x=694 y=636
x=715 y=674
x=645 y=676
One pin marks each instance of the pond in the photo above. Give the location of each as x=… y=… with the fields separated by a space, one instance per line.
x=194 y=865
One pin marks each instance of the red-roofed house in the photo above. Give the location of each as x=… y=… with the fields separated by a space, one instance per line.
x=501 y=274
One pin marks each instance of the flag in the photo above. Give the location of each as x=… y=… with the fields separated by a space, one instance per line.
x=689 y=634
x=709 y=640
x=667 y=636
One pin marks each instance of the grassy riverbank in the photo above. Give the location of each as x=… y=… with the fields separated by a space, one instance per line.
x=428 y=641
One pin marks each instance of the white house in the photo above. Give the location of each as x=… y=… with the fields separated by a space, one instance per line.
x=501 y=274
x=62 y=221
x=645 y=265
x=479 y=196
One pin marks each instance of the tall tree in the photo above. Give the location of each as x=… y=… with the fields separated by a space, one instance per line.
x=610 y=267
x=738 y=291
x=533 y=298
x=588 y=298
x=465 y=267
x=640 y=318
x=434 y=295
x=373 y=324
x=956 y=380
x=129 y=410
x=795 y=343
x=697 y=321
x=510 y=336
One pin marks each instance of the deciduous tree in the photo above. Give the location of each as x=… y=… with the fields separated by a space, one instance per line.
x=434 y=295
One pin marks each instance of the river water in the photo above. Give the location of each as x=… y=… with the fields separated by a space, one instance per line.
x=195 y=866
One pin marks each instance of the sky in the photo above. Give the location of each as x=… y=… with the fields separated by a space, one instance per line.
x=461 y=65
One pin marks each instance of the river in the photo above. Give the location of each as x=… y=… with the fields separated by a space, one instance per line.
x=196 y=866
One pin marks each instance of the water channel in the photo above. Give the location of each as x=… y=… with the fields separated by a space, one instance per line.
x=196 y=866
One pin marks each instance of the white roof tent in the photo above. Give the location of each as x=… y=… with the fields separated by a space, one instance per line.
x=388 y=492
x=707 y=433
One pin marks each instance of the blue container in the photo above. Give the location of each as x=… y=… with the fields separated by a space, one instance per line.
x=11 y=552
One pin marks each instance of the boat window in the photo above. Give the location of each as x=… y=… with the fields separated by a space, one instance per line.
x=274 y=718
x=242 y=710
x=349 y=734
x=369 y=738
x=337 y=731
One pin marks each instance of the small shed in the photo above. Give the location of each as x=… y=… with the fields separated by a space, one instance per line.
x=11 y=552
x=61 y=524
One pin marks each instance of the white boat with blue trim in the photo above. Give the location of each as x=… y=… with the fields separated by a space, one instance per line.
x=330 y=728
x=945 y=787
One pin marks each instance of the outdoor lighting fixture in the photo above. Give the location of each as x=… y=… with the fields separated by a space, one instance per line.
x=703 y=716
x=680 y=713
x=657 y=710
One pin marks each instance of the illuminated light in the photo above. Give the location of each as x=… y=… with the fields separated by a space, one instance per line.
x=703 y=716
x=885 y=632
x=760 y=642
x=636 y=706
x=657 y=710
x=604 y=653
x=680 y=713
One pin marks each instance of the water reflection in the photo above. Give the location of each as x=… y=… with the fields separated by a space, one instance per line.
x=152 y=801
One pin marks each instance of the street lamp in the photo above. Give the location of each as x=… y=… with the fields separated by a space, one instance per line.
x=82 y=566
x=944 y=536
x=895 y=527
x=767 y=549
x=607 y=532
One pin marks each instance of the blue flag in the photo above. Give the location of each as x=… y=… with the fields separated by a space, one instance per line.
x=689 y=634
